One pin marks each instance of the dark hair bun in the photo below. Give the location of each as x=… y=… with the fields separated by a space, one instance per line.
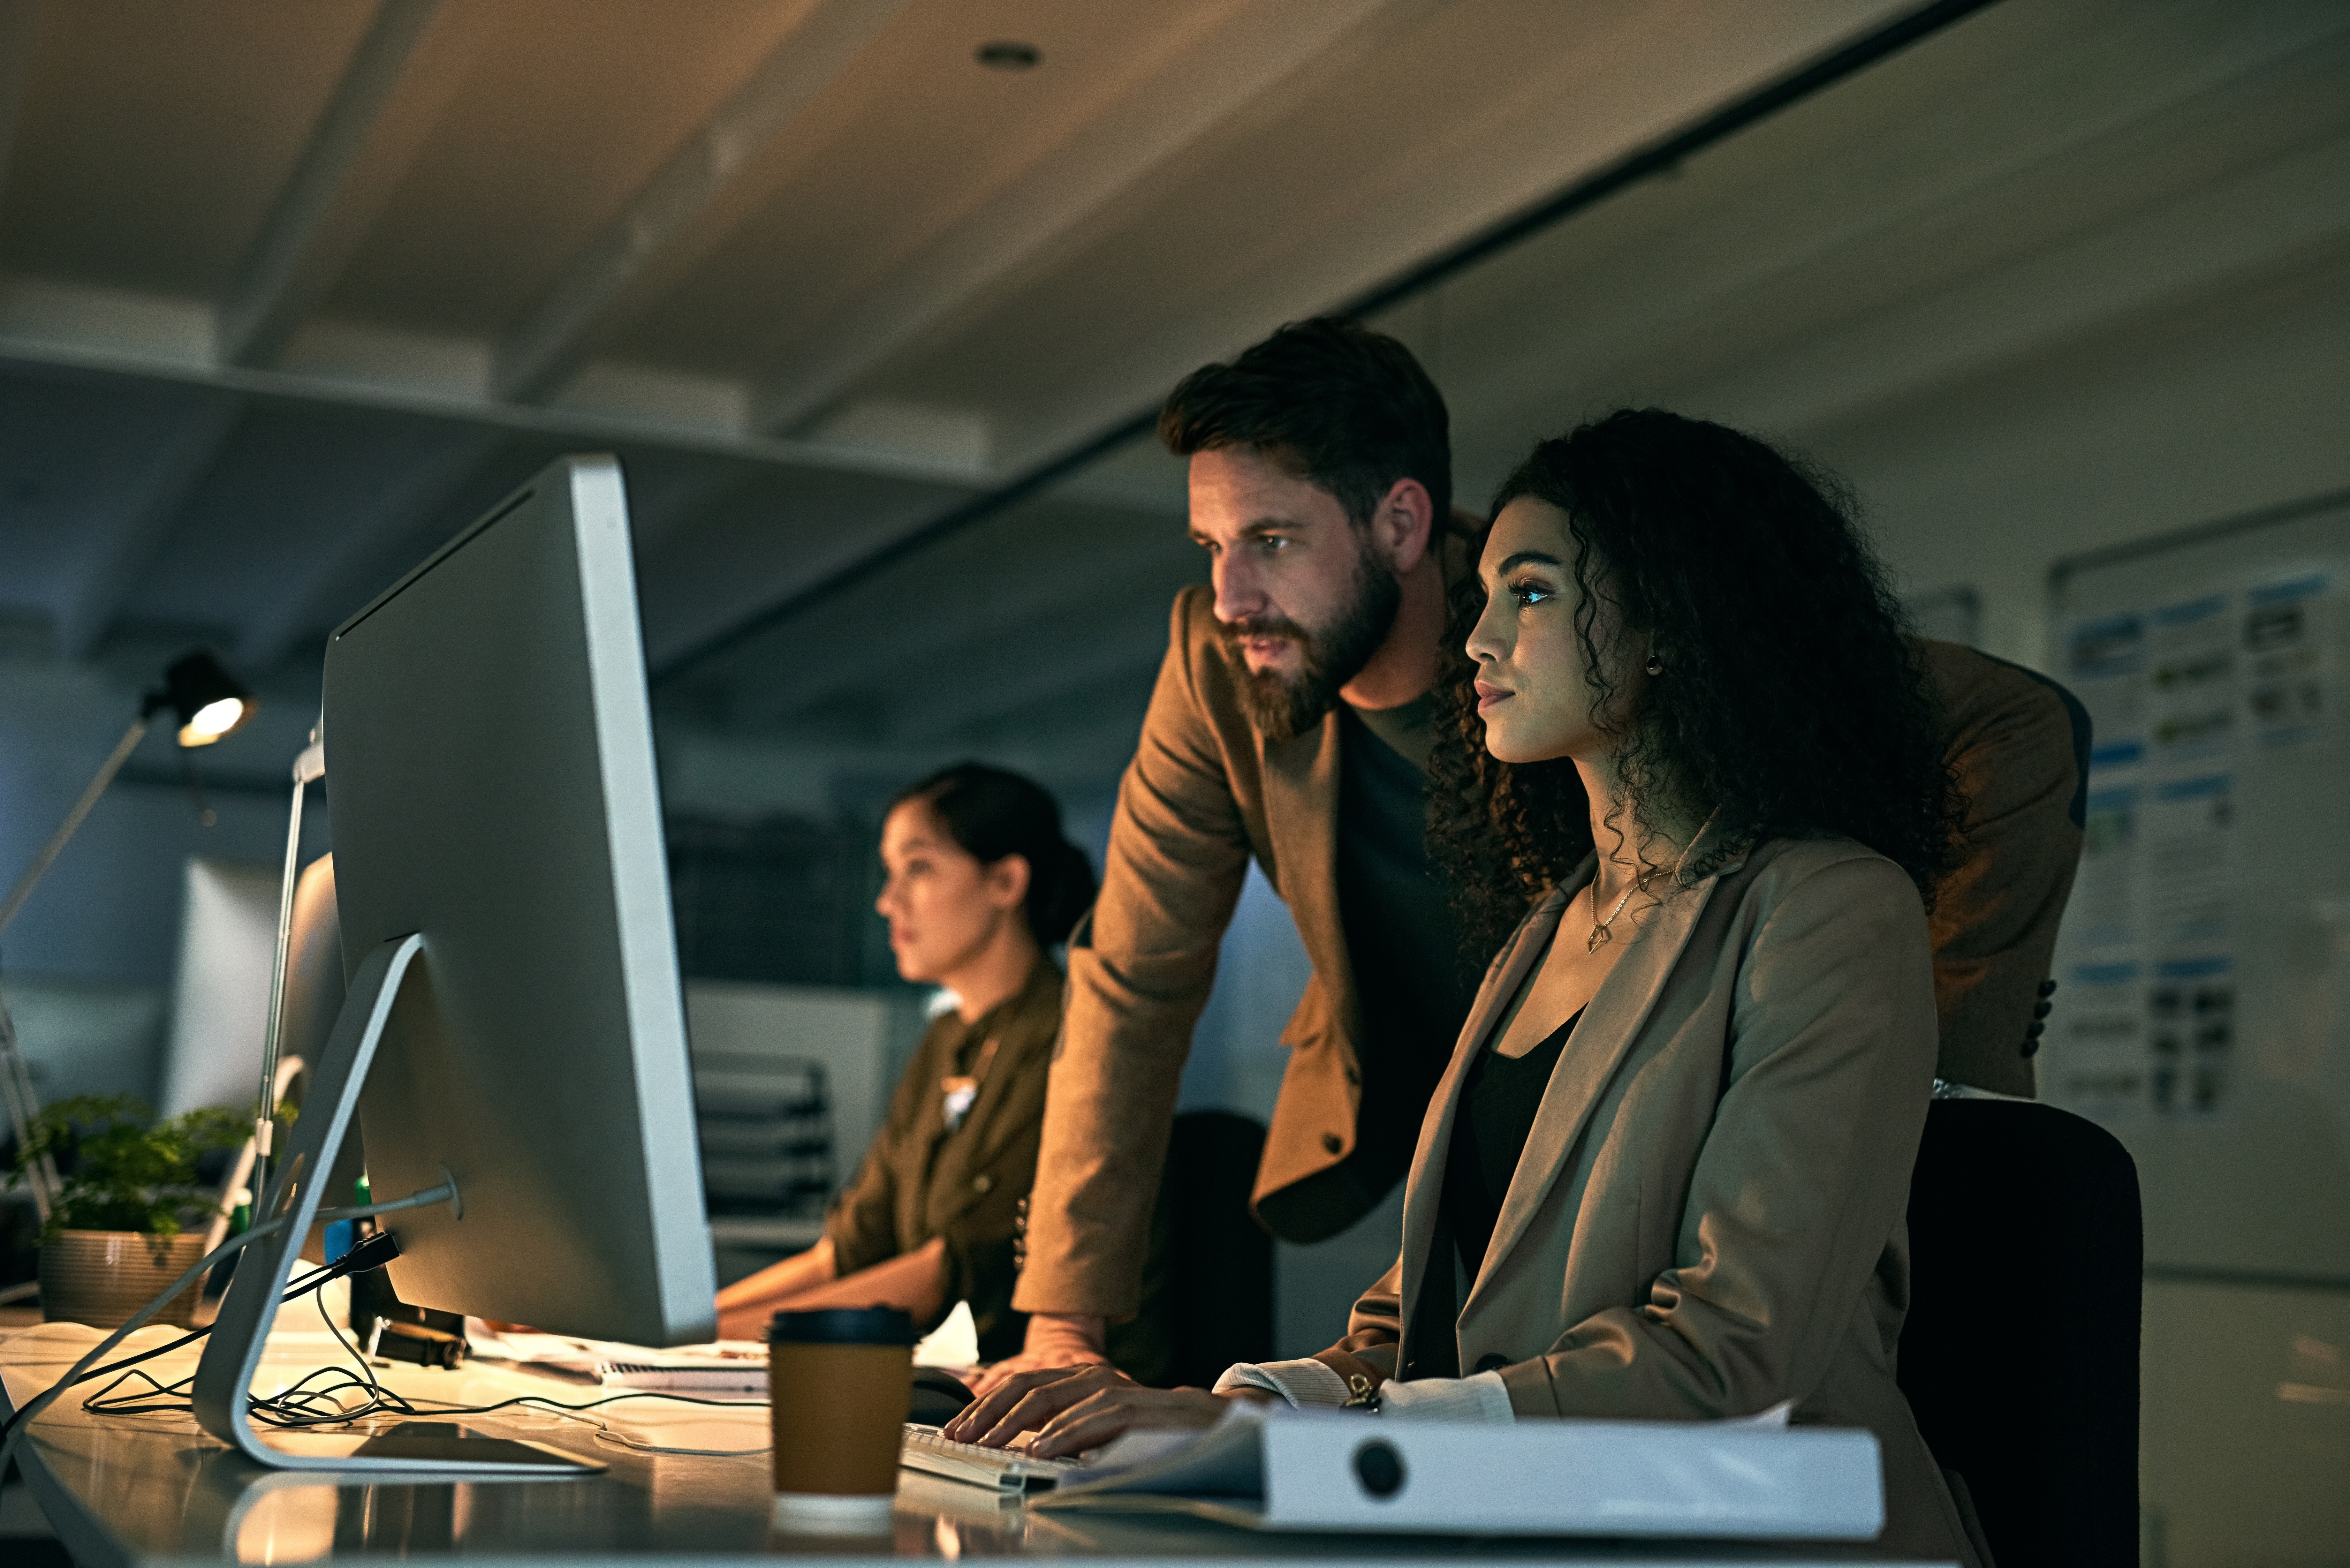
x=992 y=813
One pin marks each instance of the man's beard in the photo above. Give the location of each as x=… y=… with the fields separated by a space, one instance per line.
x=1283 y=708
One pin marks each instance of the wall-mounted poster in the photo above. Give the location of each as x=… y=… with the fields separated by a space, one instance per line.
x=2203 y=1008
x=2288 y=662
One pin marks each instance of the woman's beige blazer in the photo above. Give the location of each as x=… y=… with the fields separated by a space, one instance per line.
x=1707 y=1217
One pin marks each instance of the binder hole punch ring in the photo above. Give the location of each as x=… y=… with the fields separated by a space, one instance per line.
x=1379 y=1468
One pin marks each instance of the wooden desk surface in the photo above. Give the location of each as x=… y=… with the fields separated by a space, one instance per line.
x=153 y=1489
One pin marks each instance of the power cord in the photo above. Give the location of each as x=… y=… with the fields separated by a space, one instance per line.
x=308 y=1403
x=371 y=1254
x=323 y=1398
x=17 y=1424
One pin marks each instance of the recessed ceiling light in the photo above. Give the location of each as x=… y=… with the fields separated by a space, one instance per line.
x=1004 y=54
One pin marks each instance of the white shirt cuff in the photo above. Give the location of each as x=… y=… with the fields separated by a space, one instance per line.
x=1305 y=1384
x=1483 y=1398
x=1311 y=1385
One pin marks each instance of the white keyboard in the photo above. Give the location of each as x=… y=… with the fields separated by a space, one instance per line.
x=1002 y=1470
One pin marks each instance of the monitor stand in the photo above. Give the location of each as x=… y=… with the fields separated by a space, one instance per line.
x=232 y=1354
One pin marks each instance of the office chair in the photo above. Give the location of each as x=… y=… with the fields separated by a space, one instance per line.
x=1223 y=1282
x=2020 y=1354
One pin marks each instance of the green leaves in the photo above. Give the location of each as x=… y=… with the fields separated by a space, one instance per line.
x=128 y=1171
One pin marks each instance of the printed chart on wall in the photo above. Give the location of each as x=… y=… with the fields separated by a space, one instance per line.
x=2203 y=1009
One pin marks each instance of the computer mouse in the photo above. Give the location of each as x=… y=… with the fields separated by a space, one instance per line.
x=938 y=1396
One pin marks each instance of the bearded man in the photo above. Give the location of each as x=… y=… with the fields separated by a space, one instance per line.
x=1291 y=723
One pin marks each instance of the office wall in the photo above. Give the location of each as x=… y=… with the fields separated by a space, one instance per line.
x=2168 y=419
x=87 y=966
x=2165 y=421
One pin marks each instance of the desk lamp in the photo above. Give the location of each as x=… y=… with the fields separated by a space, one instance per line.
x=208 y=702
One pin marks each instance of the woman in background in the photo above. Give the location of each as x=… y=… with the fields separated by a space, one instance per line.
x=980 y=884
x=1664 y=1176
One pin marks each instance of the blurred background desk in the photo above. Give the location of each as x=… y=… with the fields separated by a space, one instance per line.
x=123 y=1491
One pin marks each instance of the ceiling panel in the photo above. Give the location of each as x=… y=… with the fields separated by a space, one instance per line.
x=563 y=111
x=152 y=138
x=914 y=141
x=823 y=280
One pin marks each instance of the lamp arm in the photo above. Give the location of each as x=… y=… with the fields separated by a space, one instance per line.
x=65 y=829
x=16 y=1087
x=15 y=1080
x=309 y=766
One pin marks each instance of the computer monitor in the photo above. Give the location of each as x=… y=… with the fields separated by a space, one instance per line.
x=513 y=1023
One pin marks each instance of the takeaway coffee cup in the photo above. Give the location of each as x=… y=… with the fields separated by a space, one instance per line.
x=839 y=1381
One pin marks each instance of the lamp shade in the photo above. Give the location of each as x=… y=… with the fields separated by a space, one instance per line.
x=208 y=700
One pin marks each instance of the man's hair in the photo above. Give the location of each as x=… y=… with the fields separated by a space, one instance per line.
x=1343 y=408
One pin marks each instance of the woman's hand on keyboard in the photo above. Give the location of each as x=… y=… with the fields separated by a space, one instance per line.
x=1073 y=1408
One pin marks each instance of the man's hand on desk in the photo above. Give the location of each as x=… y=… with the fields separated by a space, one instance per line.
x=1055 y=1341
x=1072 y=1408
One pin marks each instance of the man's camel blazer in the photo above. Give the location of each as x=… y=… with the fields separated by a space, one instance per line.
x=1707 y=1216
x=1206 y=793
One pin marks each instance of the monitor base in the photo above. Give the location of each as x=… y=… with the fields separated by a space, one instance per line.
x=441 y=1449
x=232 y=1353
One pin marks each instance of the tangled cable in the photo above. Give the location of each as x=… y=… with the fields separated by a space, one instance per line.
x=310 y=1402
x=322 y=1398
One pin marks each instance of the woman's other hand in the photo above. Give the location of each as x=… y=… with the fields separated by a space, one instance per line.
x=915 y=1281
x=1070 y=1409
x=1055 y=1342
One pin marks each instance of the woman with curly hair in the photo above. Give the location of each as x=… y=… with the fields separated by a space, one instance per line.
x=1664 y=1176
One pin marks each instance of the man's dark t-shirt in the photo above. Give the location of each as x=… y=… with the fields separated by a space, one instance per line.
x=1413 y=983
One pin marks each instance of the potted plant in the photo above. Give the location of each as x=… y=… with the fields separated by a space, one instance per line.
x=119 y=1231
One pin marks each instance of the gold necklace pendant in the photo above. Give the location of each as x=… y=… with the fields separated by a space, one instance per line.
x=1599 y=931
x=1600 y=934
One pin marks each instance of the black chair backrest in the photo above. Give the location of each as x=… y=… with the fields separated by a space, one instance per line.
x=1207 y=1280
x=1219 y=1280
x=2020 y=1354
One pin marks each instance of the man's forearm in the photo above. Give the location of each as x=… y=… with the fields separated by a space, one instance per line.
x=1108 y=1110
x=1079 y=1336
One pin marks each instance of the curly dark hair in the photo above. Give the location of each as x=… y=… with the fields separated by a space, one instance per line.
x=1790 y=705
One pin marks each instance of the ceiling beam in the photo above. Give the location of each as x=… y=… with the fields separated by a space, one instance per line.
x=1033 y=218
x=16 y=68
x=135 y=513
x=2017 y=260
x=1030 y=475
x=544 y=348
x=307 y=602
x=356 y=153
x=832 y=653
x=51 y=351
x=659 y=513
x=1004 y=679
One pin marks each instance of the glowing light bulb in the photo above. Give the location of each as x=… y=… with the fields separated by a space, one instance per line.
x=213 y=720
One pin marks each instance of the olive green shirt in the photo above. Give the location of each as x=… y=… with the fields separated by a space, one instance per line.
x=921 y=1180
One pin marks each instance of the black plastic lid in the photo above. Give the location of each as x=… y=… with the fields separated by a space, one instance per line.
x=843 y=1325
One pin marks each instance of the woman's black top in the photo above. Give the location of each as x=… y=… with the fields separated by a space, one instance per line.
x=1489 y=1132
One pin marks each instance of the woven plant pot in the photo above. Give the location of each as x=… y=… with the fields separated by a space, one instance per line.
x=102 y=1277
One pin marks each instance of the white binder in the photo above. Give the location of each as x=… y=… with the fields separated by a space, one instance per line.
x=1315 y=1471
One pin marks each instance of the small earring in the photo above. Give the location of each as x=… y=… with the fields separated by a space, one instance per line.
x=1655 y=665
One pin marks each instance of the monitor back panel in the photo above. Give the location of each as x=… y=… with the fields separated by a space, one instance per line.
x=492 y=783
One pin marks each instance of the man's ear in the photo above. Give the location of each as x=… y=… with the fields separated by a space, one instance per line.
x=1403 y=524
